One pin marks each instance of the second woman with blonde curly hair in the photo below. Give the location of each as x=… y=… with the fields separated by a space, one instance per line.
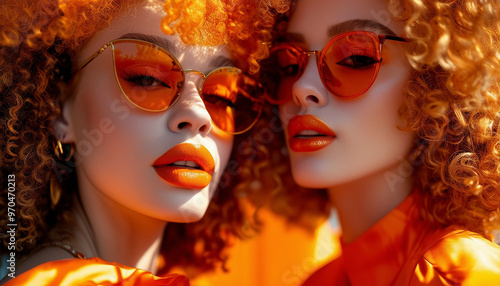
x=393 y=107
x=118 y=121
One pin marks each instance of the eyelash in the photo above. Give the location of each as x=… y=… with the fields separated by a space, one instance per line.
x=355 y=56
x=213 y=98
x=138 y=78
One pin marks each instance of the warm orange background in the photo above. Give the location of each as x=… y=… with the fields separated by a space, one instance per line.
x=279 y=255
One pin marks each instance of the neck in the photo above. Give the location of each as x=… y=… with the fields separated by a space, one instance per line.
x=109 y=231
x=362 y=203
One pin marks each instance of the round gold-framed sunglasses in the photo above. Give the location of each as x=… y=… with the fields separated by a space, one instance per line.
x=348 y=64
x=152 y=79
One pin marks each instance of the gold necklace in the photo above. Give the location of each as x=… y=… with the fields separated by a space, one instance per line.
x=75 y=253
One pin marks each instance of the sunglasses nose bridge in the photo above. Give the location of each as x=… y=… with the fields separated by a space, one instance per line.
x=317 y=53
x=195 y=72
x=202 y=75
x=308 y=53
x=194 y=116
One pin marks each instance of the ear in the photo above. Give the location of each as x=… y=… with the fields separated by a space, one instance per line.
x=62 y=124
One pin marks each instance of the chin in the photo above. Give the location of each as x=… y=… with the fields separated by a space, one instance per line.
x=312 y=173
x=187 y=216
x=192 y=210
x=311 y=182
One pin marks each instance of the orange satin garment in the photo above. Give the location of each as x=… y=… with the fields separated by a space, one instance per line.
x=402 y=250
x=93 y=271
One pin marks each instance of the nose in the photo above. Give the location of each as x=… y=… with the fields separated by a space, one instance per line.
x=309 y=90
x=189 y=113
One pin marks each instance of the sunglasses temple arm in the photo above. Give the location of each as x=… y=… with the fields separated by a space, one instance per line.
x=382 y=39
x=393 y=38
x=92 y=57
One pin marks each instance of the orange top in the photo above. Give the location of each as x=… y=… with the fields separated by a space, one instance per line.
x=93 y=271
x=401 y=249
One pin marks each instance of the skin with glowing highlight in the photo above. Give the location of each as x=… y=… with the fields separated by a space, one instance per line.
x=187 y=121
x=412 y=168
x=367 y=141
x=119 y=186
x=144 y=156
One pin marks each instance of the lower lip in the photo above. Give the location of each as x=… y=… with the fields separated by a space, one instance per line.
x=309 y=144
x=184 y=177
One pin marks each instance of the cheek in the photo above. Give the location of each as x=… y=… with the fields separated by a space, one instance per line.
x=97 y=111
x=386 y=95
x=379 y=119
x=224 y=145
x=375 y=128
x=368 y=137
x=286 y=112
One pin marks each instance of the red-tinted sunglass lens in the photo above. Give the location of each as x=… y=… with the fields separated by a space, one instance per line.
x=349 y=64
x=233 y=100
x=287 y=65
x=149 y=76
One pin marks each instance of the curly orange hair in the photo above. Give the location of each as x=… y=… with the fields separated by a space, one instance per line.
x=37 y=41
x=452 y=102
x=242 y=25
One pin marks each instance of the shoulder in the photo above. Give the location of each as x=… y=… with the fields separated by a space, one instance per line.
x=37 y=258
x=330 y=274
x=459 y=258
x=92 y=271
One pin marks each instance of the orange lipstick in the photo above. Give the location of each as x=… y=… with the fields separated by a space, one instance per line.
x=186 y=165
x=318 y=134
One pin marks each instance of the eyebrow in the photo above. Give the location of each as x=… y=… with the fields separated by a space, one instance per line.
x=219 y=61
x=346 y=26
x=359 y=24
x=159 y=41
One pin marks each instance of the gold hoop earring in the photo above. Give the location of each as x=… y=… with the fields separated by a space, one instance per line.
x=55 y=191
x=59 y=151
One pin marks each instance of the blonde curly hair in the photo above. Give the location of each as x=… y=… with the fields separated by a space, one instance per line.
x=38 y=40
x=452 y=102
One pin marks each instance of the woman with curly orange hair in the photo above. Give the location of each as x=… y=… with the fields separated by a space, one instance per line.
x=393 y=107
x=118 y=117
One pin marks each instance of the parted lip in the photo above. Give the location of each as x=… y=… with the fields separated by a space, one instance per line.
x=300 y=123
x=196 y=153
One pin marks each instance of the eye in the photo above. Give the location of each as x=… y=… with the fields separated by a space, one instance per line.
x=217 y=100
x=358 y=59
x=146 y=80
x=287 y=61
x=357 y=62
x=290 y=70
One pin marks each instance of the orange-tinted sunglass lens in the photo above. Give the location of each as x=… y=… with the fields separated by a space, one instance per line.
x=151 y=78
x=349 y=64
x=233 y=100
x=148 y=76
